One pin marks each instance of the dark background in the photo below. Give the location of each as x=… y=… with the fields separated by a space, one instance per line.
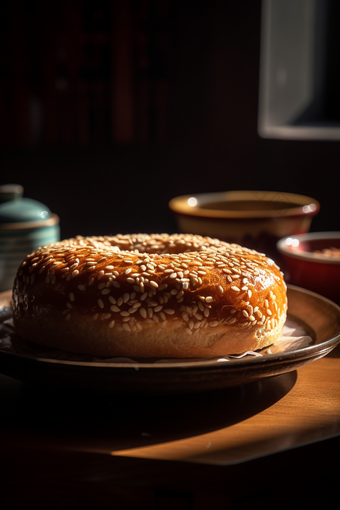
x=110 y=109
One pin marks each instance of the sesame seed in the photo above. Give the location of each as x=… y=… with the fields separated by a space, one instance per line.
x=200 y=305
x=81 y=287
x=250 y=309
x=185 y=316
x=100 y=303
x=234 y=288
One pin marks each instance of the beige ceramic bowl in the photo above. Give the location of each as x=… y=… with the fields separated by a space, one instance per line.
x=255 y=219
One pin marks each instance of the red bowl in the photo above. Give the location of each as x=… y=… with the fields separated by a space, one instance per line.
x=312 y=261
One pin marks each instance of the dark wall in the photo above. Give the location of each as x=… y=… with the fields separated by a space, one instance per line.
x=210 y=142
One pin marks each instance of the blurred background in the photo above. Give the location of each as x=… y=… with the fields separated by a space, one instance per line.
x=108 y=109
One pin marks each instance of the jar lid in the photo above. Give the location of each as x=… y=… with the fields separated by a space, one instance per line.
x=14 y=208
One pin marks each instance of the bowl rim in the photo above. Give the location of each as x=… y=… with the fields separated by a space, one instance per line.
x=305 y=255
x=308 y=206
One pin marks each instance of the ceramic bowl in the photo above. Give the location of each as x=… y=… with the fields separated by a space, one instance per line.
x=312 y=261
x=255 y=219
x=25 y=225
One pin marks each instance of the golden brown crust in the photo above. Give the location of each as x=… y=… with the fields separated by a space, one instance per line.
x=149 y=296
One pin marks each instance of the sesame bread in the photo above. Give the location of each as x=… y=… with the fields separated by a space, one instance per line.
x=149 y=296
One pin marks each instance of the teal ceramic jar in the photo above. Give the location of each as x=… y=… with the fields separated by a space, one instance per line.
x=25 y=225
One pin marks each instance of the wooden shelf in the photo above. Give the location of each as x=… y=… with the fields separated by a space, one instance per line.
x=82 y=73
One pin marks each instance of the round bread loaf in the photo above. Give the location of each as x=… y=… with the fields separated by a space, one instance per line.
x=149 y=296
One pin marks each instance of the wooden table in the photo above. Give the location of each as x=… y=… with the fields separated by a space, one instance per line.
x=260 y=445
